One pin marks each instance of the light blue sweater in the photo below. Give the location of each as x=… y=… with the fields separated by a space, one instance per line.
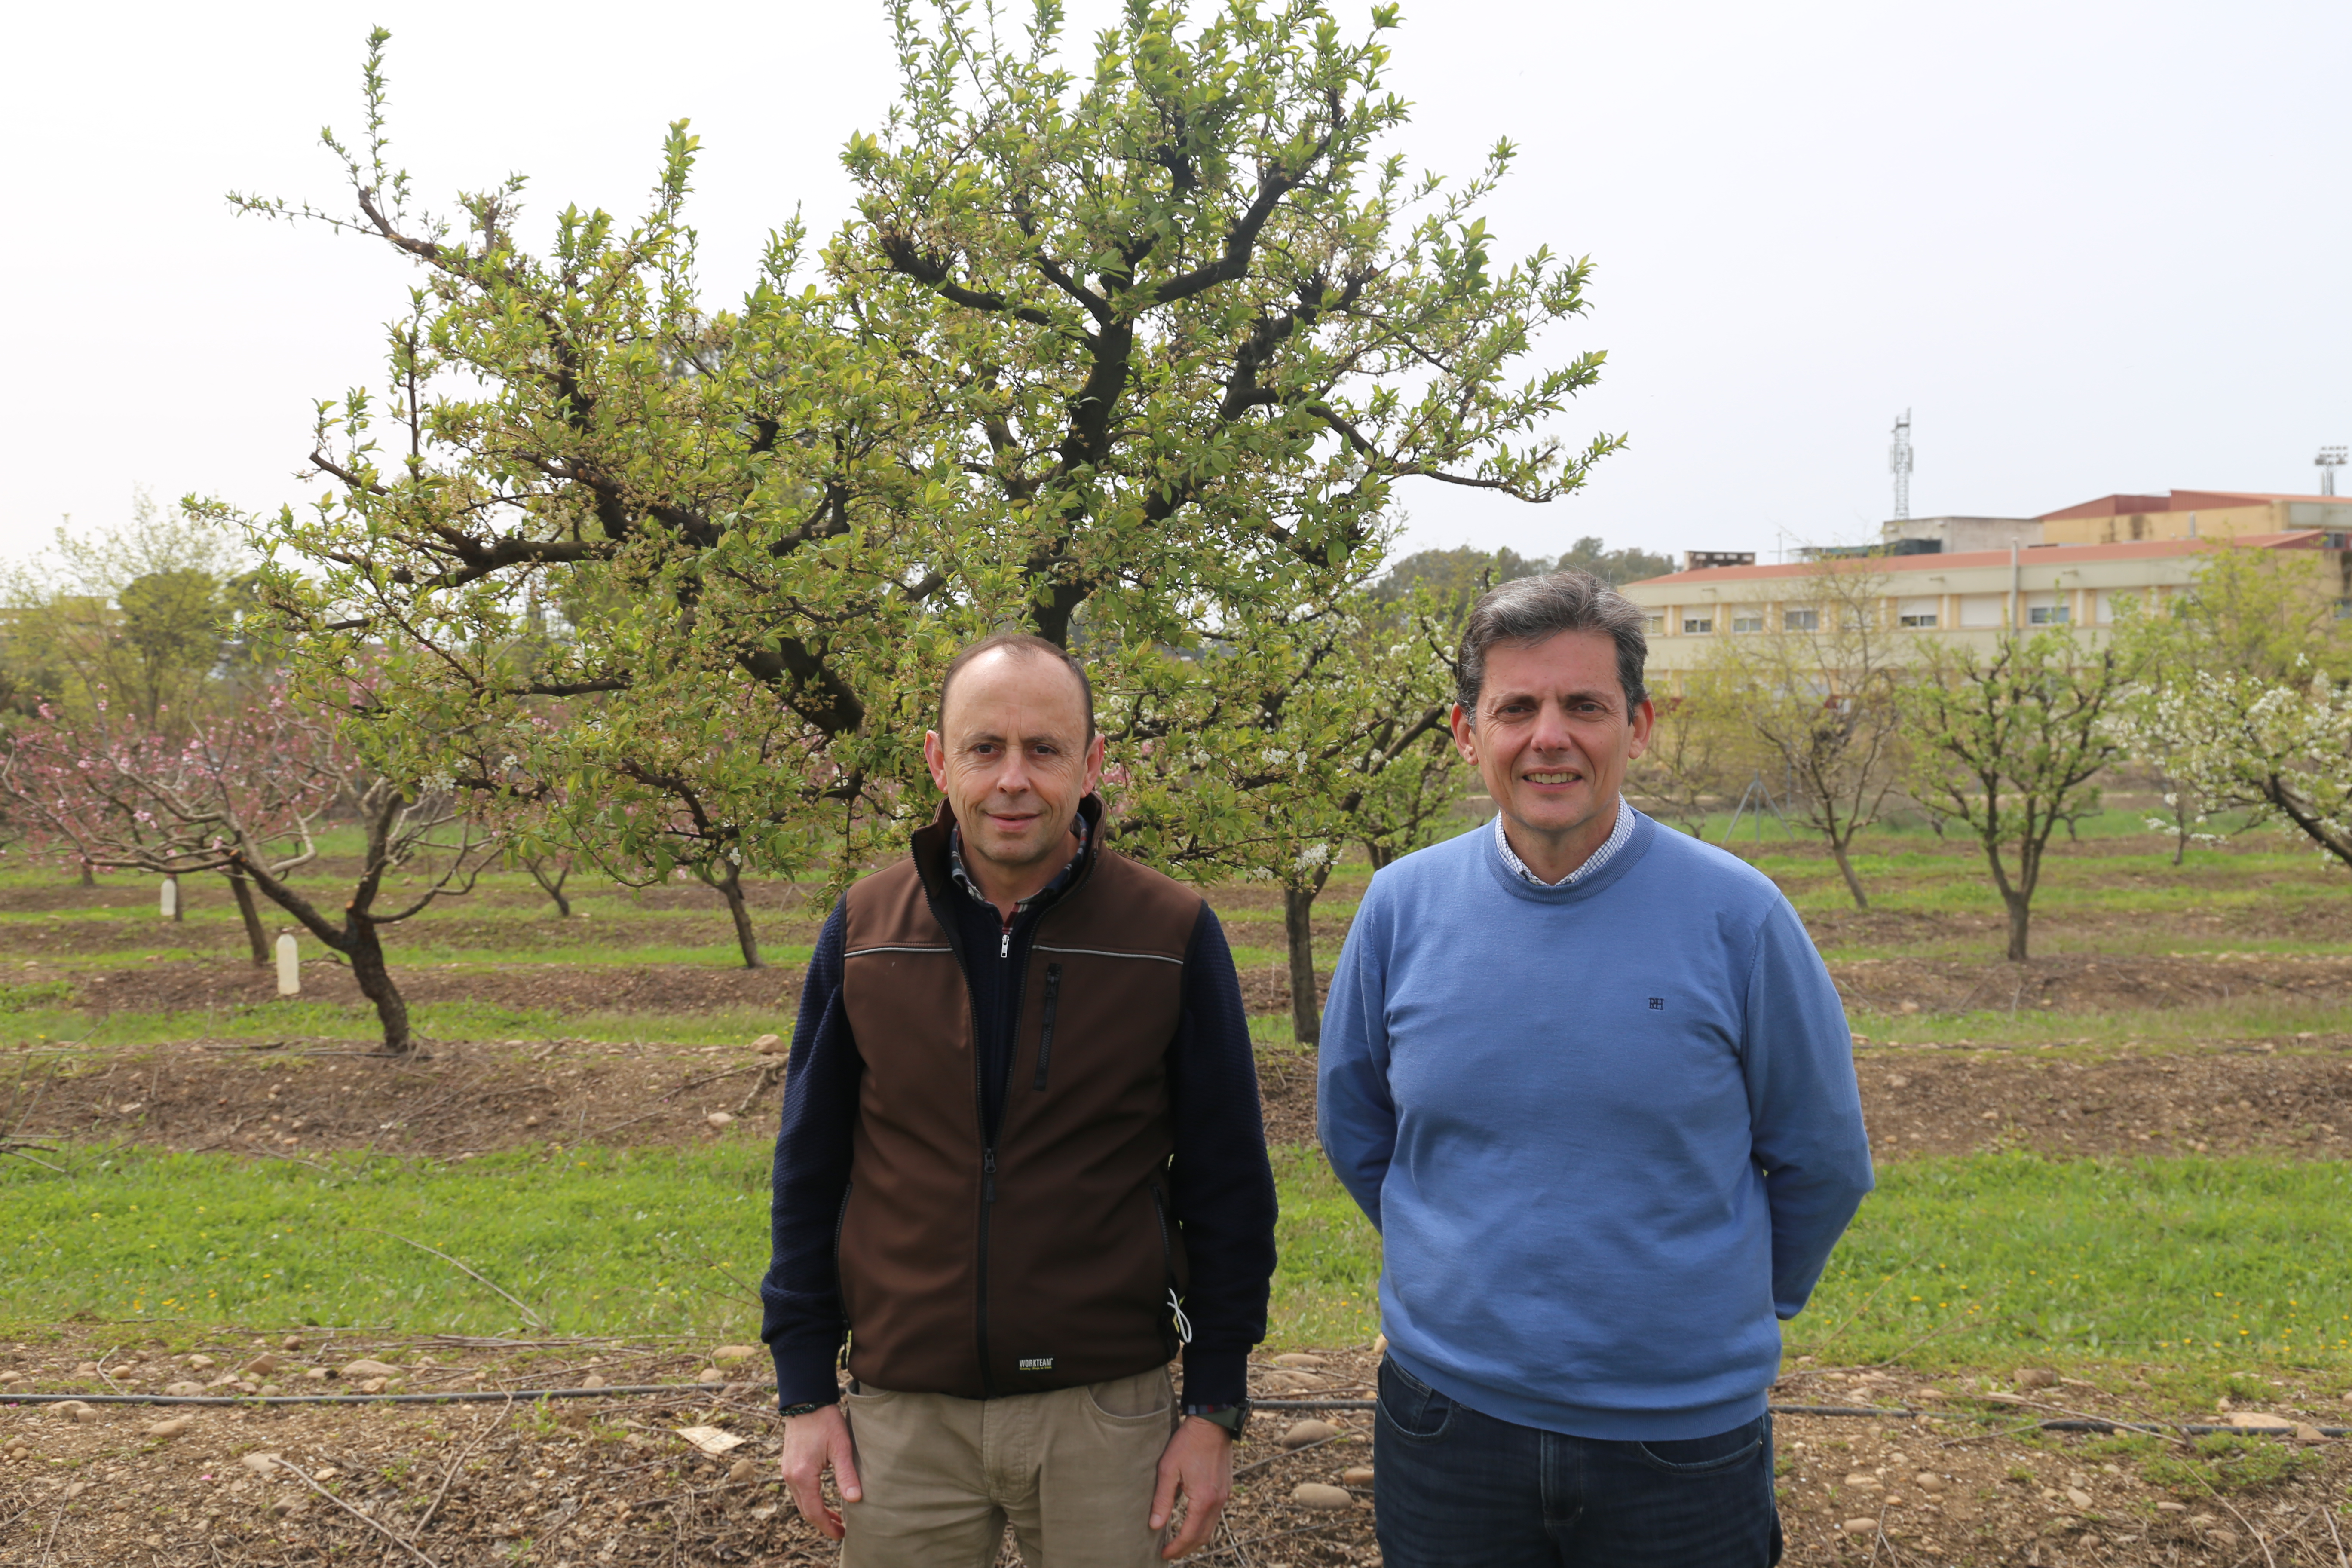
x=1609 y=1132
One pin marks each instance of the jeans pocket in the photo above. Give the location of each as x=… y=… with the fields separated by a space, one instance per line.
x=1412 y=1410
x=1706 y=1456
x=1144 y=1400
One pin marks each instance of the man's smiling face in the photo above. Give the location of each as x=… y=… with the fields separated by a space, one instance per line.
x=1553 y=737
x=1015 y=759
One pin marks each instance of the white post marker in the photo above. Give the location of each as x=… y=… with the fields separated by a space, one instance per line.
x=168 y=902
x=289 y=966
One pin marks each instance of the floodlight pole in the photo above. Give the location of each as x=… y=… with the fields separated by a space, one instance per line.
x=1898 y=463
x=2330 y=458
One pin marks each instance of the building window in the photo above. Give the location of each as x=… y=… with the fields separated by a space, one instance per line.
x=1748 y=621
x=1802 y=620
x=1917 y=614
x=1697 y=626
x=2046 y=616
x=1920 y=621
x=1656 y=623
x=1984 y=610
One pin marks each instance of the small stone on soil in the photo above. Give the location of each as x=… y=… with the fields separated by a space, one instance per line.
x=1316 y=1494
x=1305 y=1432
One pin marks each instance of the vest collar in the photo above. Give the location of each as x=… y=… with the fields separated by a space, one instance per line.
x=930 y=848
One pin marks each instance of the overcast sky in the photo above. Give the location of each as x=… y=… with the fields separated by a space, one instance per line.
x=2091 y=247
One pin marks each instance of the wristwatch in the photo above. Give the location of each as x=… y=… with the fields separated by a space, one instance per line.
x=1232 y=1417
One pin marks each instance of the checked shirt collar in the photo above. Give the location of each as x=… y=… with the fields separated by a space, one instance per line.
x=1061 y=879
x=1617 y=837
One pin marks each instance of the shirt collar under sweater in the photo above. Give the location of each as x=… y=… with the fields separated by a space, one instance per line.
x=1061 y=879
x=1599 y=858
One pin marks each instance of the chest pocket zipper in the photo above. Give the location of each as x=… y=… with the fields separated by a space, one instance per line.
x=1046 y=1031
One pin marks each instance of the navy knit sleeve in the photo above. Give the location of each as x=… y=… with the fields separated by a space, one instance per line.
x=801 y=1296
x=1222 y=1187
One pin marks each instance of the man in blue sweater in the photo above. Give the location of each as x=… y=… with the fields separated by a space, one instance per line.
x=1590 y=1079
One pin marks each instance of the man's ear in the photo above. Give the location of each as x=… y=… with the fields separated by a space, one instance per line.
x=1466 y=737
x=1645 y=718
x=935 y=757
x=1094 y=770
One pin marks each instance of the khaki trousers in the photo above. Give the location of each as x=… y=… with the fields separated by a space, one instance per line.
x=1072 y=1471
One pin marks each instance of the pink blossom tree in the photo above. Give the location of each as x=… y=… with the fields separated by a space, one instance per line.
x=246 y=795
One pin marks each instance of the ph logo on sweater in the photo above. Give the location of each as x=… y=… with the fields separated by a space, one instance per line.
x=1658 y=1003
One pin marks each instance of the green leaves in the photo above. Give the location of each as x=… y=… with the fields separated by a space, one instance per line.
x=1135 y=356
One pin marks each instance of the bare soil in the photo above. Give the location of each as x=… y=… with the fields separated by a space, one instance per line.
x=2063 y=985
x=610 y=1481
x=467 y=1098
x=2291 y=1097
x=566 y=987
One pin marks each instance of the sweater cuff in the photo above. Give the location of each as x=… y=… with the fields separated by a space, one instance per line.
x=1215 y=1377
x=805 y=1379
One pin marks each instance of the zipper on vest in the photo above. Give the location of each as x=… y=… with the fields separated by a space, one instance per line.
x=987 y=1204
x=1046 y=1033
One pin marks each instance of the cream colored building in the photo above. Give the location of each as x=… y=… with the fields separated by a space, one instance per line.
x=2192 y=514
x=1977 y=596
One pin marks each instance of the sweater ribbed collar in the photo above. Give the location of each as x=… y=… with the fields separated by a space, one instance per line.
x=1618 y=834
x=1576 y=888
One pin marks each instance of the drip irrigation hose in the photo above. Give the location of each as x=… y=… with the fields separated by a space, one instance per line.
x=525 y=1396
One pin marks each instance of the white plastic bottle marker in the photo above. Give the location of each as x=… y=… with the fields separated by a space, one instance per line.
x=168 y=900
x=289 y=966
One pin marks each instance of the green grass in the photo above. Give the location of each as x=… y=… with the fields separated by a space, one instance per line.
x=594 y=1241
x=2136 y=1029
x=1326 y=1278
x=1980 y=1259
x=2209 y=1266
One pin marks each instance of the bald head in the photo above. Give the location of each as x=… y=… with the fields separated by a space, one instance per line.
x=1023 y=646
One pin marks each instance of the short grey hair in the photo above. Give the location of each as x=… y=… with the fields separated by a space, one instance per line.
x=1527 y=610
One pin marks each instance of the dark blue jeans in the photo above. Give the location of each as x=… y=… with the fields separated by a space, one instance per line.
x=1458 y=1489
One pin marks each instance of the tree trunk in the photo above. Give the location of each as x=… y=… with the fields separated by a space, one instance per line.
x=89 y=879
x=247 y=911
x=1298 y=930
x=553 y=887
x=179 y=899
x=1852 y=882
x=366 y=953
x=1376 y=854
x=730 y=888
x=2020 y=911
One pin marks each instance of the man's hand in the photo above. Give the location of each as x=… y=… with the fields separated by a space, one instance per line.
x=1198 y=1461
x=812 y=1442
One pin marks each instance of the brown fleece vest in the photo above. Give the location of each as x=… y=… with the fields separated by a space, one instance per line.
x=1046 y=1261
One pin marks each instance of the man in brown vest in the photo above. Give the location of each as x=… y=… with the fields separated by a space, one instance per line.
x=1021 y=1167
